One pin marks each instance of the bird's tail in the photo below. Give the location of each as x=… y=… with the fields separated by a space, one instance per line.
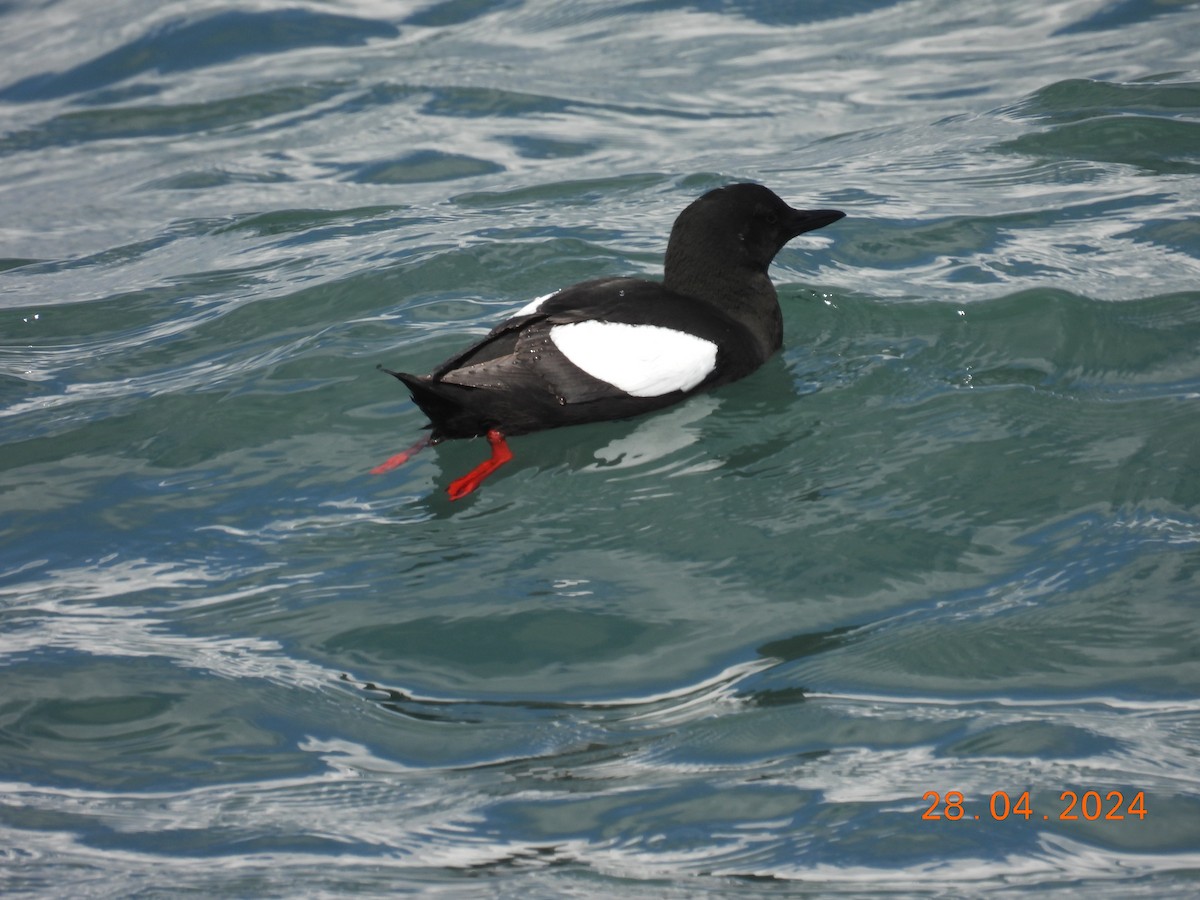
x=425 y=394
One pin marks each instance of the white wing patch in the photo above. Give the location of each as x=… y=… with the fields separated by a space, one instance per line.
x=641 y=360
x=533 y=305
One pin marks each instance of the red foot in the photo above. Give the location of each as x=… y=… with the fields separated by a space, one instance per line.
x=401 y=458
x=460 y=487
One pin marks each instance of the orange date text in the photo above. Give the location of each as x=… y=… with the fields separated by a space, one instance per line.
x=1072 y=806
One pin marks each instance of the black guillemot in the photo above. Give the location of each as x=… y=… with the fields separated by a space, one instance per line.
x=618 y=347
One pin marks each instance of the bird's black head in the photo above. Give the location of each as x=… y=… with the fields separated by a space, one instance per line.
x=721 y=247
x=742 y=225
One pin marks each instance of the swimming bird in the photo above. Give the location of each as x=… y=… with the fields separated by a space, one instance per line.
x=612 y=348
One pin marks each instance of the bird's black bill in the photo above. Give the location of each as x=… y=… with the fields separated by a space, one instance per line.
x=811 y=219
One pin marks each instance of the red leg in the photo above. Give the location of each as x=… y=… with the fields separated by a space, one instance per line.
x=402 y=457
x=460 y=487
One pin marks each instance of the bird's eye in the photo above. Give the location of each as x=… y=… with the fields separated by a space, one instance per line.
x=772 y=219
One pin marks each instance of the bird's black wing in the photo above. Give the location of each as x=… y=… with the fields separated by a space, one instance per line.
x=522 y=346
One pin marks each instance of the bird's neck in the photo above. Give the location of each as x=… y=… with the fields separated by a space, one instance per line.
x=742 y=292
